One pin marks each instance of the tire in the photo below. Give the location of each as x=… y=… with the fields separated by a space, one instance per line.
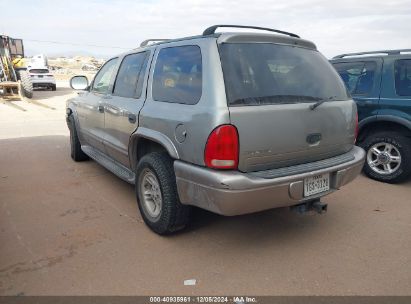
x=388 y=157
x=75 y=147
x=53 y=87
x=26 y=84
x=169 y=215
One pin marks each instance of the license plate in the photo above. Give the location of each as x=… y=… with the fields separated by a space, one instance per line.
x=40 y=76
x=316 y=184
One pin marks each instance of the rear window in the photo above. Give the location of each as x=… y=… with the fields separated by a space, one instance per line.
x=357 y=76
x=264 y=73
x=39 y=71
x=178 y=75
x=402 y=72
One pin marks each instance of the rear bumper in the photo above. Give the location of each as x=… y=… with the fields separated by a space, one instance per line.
x=38 y=82
x=234 y=192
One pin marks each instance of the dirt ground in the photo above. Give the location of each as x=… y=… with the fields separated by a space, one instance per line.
x=74 y=229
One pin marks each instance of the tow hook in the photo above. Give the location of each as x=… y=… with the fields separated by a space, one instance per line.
x=316 y=206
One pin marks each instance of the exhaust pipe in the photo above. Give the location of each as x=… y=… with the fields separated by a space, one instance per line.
x=315 y=205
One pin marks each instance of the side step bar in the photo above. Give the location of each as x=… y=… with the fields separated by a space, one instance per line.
x=118 y=169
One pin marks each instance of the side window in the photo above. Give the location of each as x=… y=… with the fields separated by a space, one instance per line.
x=178 y=75
x=102 y=80
x=402 y=71
x=130 y=77
x=357 y=76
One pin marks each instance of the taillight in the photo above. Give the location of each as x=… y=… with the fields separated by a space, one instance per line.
x=221 y=151
x=356 y=127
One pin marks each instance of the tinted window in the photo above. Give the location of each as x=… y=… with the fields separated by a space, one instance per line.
x=403 y=77
x=264 y=73
x=178 y=75
x=103 y=77
x=130 y=77
x=357 y=76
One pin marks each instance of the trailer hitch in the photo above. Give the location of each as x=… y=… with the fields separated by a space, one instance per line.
x=315 y=205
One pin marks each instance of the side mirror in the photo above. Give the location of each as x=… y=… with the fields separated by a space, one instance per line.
x=79 y=82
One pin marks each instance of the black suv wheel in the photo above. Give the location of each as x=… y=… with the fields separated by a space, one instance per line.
x=157 y=196
x=388 y=157
x=75 y=147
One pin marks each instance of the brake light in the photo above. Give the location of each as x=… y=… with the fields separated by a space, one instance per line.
x=356 y=127
x=221 y=151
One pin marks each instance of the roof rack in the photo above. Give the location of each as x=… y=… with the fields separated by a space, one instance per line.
x=146 y=42
x=211 y=29
x=387 y=52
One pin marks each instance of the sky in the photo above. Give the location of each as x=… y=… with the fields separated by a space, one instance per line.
x=115 y=26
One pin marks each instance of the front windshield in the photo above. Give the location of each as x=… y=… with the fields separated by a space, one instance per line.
x=266 y=73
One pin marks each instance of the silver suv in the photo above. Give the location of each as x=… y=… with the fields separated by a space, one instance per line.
x=230 y=122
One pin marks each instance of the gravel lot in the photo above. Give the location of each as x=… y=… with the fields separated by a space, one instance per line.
x=74 y=229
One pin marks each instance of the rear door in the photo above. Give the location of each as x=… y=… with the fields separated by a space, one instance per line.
x=270 y=89
x=122 y=109
x=90 y=109
x=363 y=80
x=396 y=88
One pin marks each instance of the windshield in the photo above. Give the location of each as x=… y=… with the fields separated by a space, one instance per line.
x=266 y=73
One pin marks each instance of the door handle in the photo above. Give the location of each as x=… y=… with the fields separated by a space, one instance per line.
x=101 y=109
x=132 y=118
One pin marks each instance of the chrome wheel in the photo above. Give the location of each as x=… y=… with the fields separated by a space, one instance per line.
x=151 y=193
x=384 y=158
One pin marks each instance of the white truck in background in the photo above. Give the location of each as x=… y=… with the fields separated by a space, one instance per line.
x=38 y=61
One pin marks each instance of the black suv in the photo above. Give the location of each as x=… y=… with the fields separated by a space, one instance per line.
x=380 y=83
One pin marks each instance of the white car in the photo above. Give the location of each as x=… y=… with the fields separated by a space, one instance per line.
x=42 y=78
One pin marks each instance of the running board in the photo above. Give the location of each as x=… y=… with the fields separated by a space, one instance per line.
x=110 y=164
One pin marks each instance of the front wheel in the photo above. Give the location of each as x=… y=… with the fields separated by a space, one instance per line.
x=75 y=147
x=388 y=157
x=26 y=85
x=157 y=195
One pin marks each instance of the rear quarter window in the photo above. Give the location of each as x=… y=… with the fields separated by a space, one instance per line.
x=178 y=75
x=402 y=71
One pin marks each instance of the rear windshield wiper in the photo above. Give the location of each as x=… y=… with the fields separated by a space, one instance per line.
x=320 y=102
x=274 y=99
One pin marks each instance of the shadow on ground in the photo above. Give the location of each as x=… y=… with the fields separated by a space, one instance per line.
x=43 y=94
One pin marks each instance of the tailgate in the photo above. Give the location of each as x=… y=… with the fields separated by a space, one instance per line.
x=275 y=136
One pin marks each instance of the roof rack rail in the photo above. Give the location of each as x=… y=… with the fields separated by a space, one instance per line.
x=388 y=52
x=211 y=30
x=146 y=42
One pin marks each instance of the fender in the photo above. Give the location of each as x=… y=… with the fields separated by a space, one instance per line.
x=155 y=136
x=380 y=118
x=402 y=121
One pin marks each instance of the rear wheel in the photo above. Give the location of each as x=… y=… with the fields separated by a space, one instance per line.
x=388 y=157
x=157 y=196
x=25 y=83
x=53 y=87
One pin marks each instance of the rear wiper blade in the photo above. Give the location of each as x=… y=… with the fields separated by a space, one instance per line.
x=261 y=100
x=320 y=102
